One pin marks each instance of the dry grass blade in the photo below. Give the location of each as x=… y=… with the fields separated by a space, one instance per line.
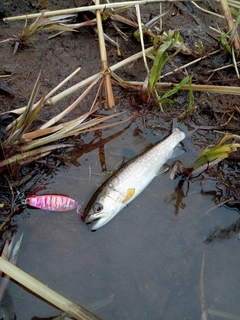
x=91 y=125
x=23 y=122
x=141 y=36
x=44 y=132
x=40 y=133
x=71 y=107
x=52 y=101
x=73 y=128
x=233 y=3
x=109 y=125
x=24 y=119
x=20 y=111
x=31 y=144
x=207 y=11
x=190 y=63
x=58 y=132
x=40 y=152
x=62 y=83
x=43 y=291
x=40 y=23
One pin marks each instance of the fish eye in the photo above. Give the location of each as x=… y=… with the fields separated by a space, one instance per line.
x=97 y=207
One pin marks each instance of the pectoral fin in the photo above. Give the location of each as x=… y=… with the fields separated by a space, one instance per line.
x=129 y=195
x=163 y=169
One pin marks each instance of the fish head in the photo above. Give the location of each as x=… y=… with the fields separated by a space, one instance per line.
x=103 y=208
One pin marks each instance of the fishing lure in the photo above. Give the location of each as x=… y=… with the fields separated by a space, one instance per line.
x=52 y=202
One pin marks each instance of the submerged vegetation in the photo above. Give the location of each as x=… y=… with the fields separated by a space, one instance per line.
x=26 y=138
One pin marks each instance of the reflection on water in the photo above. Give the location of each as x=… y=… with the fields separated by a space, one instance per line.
x=147 y=258
x=223 y=233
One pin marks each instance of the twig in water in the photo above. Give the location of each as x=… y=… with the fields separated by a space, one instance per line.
x=224 y=315
x=201 y=286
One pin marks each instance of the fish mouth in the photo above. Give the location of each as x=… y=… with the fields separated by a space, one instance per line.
x=95 y=224
x=91 y=223
x=92 y=226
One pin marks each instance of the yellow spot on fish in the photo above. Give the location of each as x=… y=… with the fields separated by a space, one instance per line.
x=130 y=193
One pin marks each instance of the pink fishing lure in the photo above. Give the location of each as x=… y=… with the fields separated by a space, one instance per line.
x=53 y=202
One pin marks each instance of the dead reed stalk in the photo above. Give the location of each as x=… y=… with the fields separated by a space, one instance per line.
x=103 y=53
x=230 y=22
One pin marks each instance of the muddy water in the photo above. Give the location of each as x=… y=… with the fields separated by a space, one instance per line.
x=148 y=256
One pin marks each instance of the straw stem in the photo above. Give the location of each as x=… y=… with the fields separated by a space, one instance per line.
x=87 y=8
x=103 y=53
x=194 y=87
x=62 y=83
x=229 y=19
x=85 y=82
x=45 y=292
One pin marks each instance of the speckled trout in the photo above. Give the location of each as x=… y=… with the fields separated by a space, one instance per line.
x=130 y=180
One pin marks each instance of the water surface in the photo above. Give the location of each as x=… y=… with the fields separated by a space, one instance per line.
x=148 y=256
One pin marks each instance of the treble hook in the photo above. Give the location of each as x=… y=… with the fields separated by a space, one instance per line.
x=19 y=198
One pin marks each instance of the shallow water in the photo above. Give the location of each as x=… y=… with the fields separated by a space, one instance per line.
x=148 y=256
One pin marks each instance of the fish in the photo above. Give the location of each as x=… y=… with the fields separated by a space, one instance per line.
x=52 y=202
x=130 y=180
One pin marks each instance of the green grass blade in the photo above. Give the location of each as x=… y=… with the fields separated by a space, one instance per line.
x=176 y=89
x=159 y=62
x=165 y=96
x=220 y=151
x=169 y=41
